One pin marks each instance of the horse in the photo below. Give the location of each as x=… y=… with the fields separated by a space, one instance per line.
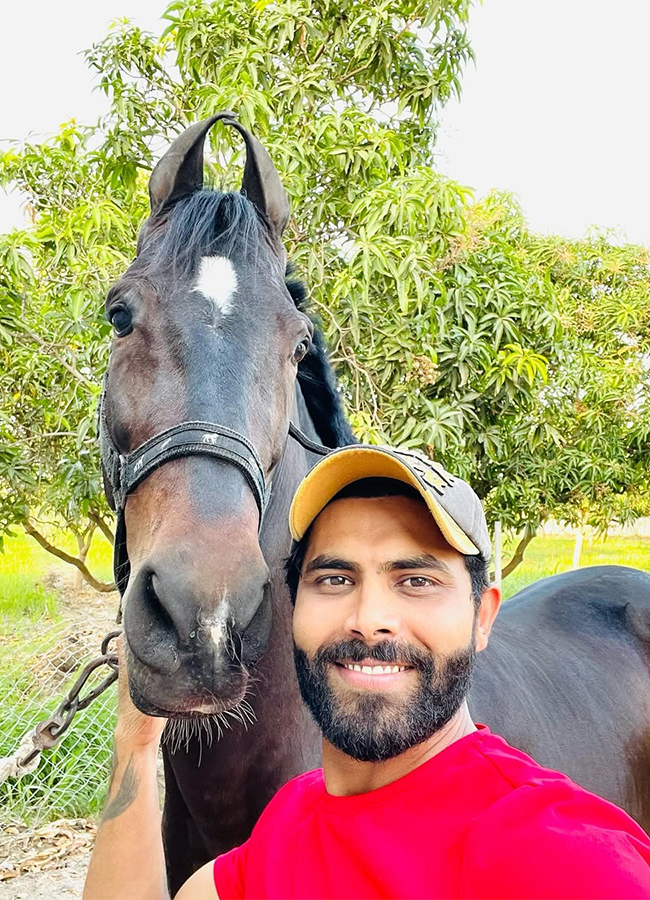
x=217 y=398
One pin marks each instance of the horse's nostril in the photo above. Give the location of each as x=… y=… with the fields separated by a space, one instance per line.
x=155 y=598
x=149 y=626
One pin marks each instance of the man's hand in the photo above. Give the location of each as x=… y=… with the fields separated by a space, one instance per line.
x=128 y=858
x=134 y=728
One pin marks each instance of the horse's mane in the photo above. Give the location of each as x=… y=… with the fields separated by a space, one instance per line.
x=205 y=223
x=210 y=221
x=317 y=380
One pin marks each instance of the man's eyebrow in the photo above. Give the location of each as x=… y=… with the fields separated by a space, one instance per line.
x=330 y=562
x=423 y=561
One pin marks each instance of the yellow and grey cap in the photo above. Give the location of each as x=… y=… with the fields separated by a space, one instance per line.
x=453 y=504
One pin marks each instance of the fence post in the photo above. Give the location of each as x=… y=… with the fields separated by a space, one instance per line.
x=497 y=553
x=577 y=550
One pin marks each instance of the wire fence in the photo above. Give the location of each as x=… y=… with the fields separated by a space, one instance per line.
x=38 y=665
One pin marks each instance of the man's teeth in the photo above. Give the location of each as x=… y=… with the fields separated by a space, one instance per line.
x=375 y=670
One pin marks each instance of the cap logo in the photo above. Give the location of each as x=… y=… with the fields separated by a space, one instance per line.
x=434 y=480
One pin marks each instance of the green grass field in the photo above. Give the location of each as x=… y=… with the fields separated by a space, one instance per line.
x=24 y=564
x=551 y=554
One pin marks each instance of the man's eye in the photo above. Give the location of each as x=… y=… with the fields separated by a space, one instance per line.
x=334 y=580
x=417 y=581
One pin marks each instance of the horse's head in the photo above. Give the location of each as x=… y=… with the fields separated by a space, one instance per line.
x=205 y=331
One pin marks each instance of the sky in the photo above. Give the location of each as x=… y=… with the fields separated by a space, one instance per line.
x=554 y=108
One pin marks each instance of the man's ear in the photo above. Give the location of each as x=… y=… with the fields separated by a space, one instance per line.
x=487 y=613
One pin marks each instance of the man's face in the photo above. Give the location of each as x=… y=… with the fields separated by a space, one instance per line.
x=385 y=626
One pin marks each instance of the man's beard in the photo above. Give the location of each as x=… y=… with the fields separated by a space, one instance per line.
x=372 y=725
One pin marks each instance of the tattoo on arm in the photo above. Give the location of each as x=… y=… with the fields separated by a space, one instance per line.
x=114 y=762
x=125 y=794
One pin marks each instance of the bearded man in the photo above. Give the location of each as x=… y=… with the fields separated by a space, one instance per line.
x=389 y=577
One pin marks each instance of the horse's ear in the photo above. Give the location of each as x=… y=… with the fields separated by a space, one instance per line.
x=180 y=171
x=262 y=184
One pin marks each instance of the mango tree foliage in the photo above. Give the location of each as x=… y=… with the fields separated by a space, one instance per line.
x=54 y=341
x=589 y=436
x=453 y=329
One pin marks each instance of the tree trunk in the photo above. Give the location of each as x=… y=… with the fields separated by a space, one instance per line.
x=102 y=586
x=83 y=546
x=518 y=555
x=103 y=527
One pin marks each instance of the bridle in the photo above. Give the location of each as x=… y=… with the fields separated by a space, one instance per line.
x=124 y=472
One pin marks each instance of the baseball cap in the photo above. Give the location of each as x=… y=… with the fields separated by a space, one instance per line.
x=451 y=501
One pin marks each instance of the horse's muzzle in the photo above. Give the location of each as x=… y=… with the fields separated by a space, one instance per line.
x=190 y=645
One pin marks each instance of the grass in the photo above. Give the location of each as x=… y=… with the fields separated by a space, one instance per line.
x=551 y=554
x=23 y=566
x=40 y=653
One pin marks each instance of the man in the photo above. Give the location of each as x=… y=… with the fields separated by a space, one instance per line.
x=388 y=574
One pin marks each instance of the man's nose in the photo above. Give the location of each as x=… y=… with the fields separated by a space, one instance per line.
x=374 y=615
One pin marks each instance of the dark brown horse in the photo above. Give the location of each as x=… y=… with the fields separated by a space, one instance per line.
x=214 y=362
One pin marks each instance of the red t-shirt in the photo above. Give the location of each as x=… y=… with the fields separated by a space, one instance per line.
x=480 y=820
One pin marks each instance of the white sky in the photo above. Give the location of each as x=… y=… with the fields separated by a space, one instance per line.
x=555 y=108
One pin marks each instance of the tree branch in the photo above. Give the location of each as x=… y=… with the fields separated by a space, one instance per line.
x=67 y=558
x=322 y=47
x=50 y=350
x=349 y=75
x=518 y=555
x=103 y=527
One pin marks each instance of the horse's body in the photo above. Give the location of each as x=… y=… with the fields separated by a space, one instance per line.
x=566 y=678
x=207 y=335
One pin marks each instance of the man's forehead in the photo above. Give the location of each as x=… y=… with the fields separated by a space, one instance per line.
x=360 y=522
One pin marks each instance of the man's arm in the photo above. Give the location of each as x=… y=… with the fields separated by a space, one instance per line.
x=128 y=859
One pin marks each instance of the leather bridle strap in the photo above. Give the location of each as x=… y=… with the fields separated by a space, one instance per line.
x=307 y=443
x=123 y=473
x=192 y=439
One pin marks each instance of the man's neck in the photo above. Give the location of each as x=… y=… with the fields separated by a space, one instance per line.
x=345 y=776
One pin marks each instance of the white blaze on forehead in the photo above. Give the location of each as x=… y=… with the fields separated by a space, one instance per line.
x=217 y=281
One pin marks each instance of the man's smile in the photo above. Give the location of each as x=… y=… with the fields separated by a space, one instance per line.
x=370 y=673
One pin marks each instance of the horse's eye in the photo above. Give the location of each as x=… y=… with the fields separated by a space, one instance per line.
x=120 y=319
x=301 y=351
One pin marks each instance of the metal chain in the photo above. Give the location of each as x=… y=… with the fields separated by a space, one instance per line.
x=49 y=732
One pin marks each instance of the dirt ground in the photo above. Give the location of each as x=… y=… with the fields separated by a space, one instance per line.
x=65 y=883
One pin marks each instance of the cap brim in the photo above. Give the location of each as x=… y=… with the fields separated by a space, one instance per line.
x=344 y=467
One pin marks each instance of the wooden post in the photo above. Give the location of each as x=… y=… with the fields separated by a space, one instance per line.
x=577 y=549
x=497 y=553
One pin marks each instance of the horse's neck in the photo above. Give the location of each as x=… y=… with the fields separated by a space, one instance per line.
x=291 y=469
x=276 y=697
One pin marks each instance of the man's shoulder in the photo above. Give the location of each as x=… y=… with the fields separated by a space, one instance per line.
x=544 y=829
x=534 y=798
x=512 y=767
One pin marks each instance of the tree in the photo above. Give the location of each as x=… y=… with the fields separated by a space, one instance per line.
x=53 y=342
x=453 y=329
